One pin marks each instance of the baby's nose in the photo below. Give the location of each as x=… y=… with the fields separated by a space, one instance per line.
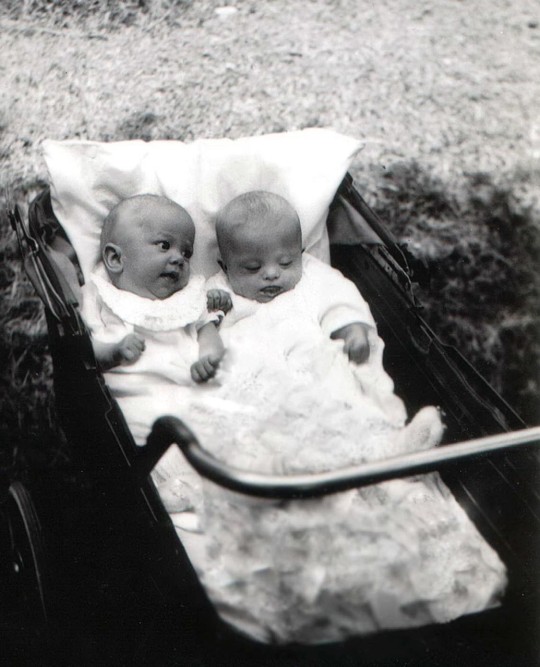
x=271 y=272
x=176 y=258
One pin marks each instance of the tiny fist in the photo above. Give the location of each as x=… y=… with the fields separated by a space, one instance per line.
x=198 y=373
x=226 y=304
x=214 y=359
x=359 y=353
x=213 y=299
x=357 y=349
x=219 y=300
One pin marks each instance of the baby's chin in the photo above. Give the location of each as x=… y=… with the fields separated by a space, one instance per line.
x=162 y=287
x=165 y=291
x=263 y=294
x=165 y=294
x=168 y=284
x=269 y=293
x=157 y=293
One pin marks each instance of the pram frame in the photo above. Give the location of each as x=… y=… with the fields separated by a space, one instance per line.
x=115 y=455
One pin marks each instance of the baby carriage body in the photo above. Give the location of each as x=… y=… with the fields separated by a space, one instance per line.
x=123 y=555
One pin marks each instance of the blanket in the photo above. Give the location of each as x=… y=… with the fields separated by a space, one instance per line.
x=394 y=555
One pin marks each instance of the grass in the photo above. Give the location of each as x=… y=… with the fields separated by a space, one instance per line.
x=445 y=99
x=481 y=249
x=28 y=427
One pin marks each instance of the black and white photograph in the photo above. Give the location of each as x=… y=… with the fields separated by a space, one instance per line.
x=270 y=342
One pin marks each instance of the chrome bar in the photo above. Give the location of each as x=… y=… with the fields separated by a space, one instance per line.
x=319 y=484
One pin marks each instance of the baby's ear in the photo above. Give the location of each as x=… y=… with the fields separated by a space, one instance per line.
x=112 y=258
x=222 y=265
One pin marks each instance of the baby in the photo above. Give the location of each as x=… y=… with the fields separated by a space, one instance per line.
x=146 y=246
x=312 y=323
x=152 y=332
x=393 y=555
x=260 y=241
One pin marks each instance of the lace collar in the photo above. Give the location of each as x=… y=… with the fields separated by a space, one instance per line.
x=177 y=311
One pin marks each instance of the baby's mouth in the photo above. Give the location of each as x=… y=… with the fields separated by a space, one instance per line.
x=170 y=275
x=271 y=290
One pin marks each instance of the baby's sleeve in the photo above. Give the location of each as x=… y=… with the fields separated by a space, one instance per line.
x=217 y=281
x=214 y=316
x=338 y=300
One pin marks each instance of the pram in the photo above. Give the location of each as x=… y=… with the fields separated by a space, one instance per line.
x=123 y=557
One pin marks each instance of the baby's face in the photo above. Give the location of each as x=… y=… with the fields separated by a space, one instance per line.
x=264 y=262
x=155 y=255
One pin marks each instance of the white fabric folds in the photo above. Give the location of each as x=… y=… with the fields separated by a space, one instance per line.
x=88 y=178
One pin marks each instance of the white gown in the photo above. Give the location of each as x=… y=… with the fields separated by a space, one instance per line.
x=159 y=382
x=394 y=555
x=286 y=400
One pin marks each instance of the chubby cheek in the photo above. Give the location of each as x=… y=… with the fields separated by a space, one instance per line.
x=185 y=275
x=243 y=285
x=293 y=276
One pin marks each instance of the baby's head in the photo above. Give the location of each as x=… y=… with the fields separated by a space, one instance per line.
x=260 y=242
x=146 y=245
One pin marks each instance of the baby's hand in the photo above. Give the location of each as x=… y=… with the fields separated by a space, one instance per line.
x=206 y=367
x=218 y=299
x=355 y=339
x=129 y=349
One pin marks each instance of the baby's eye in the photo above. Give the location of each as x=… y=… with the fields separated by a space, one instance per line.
x=187 y=252
x=252 y=268
x=164 y=245
x=285 y=263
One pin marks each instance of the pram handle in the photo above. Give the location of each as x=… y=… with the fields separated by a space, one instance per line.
x=171 y=430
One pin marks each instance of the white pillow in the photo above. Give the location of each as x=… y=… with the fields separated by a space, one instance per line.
x=88 y=178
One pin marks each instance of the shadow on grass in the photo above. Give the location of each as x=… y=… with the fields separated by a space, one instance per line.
x=482 y=247
x=28 y=430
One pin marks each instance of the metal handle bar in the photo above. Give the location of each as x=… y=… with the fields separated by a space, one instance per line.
x=169 y=430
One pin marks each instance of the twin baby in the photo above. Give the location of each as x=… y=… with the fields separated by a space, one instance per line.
x=301 y=388
x=292 y=323
x=146 y=245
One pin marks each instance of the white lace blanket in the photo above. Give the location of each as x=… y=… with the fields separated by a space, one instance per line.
x=287 y=400
x=395 y=555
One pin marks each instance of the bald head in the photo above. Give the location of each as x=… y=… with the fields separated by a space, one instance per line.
x=255 y=213
x=260 y=242
x=131 y=215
